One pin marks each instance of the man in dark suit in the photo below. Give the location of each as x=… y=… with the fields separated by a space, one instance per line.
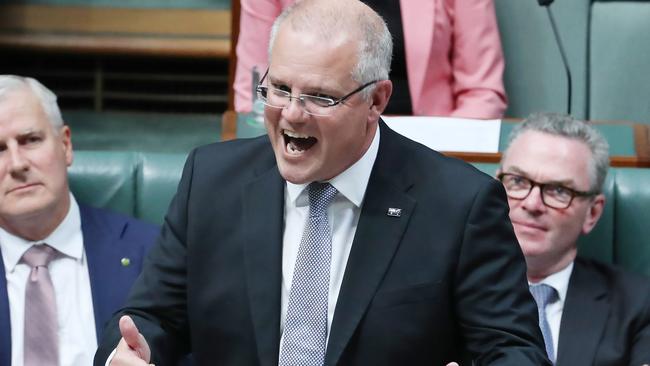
x=553 y=172
x=96 y=255
x=420 y=264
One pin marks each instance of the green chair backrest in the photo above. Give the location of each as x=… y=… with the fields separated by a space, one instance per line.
x=157 y=182
x=105 y=179
x=632 y=219
x=134 y=183
x=620 y=61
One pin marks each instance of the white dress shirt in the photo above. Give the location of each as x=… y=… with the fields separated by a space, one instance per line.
x=69 y=273
x=560 y=282
x=343 y=216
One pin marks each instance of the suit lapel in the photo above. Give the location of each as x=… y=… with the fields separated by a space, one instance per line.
x=263 y=259
x=100 y=251
x=584 y=316
x=5 y=320
x=375 y=242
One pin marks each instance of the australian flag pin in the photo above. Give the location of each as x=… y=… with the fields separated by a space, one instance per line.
x=394 y=212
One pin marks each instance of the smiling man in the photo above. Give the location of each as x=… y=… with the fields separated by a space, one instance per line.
x=61 y=261
x=553 y=172
x=334 y=240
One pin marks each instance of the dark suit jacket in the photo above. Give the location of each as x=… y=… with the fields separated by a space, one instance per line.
x=108 y=237
x=606 y=317
x=444 y=280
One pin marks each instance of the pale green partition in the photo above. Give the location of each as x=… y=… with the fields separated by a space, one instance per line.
x=620 y=61
x=534 y=77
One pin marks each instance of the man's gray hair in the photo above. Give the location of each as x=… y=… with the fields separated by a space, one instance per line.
x=47 y=99
x=327 y=21
x=566 y=126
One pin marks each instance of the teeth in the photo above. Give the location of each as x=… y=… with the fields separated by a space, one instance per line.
x=295 y=135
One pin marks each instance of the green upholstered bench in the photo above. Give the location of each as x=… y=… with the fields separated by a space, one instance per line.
x=134 y=183
x=143 y=184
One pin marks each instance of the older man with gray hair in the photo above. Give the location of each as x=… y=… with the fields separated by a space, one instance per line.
x=63 y=263
x=332 y=240
x=590 y=313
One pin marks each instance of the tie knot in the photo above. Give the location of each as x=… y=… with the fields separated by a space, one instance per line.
x=320 y=197
x=543 y=294
x=39 y=255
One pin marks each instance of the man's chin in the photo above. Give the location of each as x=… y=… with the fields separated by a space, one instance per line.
x=295 y=174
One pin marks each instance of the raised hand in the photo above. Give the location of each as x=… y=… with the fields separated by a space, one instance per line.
x=133 y=349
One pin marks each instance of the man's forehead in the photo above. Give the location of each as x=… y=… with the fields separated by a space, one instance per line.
x=296 y=59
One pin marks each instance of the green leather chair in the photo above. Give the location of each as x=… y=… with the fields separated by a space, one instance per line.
x=105 y=179
x=157 y=181
x=534 y=76
x=134 y=183
x=620 y=61
x=632 y=219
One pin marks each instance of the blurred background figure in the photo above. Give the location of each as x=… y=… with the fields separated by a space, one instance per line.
x=447 y=58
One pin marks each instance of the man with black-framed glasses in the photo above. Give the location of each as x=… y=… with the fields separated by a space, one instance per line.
x=590 y=313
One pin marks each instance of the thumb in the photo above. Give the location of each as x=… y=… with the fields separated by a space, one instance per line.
x=134 y=339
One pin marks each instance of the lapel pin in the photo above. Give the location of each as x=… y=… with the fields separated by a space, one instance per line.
x=125 y=262
x=394 y=212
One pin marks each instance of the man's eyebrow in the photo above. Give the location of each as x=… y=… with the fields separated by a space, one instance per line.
x=29 y=132
x=274 y=80
x=569 y=182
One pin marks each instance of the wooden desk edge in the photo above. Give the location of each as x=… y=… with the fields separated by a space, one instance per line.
x=614 y=161
x=119 y=44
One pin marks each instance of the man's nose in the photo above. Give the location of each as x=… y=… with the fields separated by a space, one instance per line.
x=294 y=111
x=17 y=160
x=534 y=201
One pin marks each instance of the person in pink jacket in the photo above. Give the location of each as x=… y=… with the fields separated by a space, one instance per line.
x=452 y=54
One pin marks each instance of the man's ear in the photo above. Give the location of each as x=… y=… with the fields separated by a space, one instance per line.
x=66 y=140
x=379 y=98
x=593 y=214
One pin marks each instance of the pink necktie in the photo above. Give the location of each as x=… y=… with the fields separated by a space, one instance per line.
x=41 y=342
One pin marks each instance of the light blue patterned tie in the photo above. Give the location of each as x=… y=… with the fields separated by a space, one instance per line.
x=544 y=295
x=305 y=328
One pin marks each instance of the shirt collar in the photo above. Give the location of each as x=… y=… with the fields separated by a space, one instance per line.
x=13 y=247
x=560 y=281
x=351 y=183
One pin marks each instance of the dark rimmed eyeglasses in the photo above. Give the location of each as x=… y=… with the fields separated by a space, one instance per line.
x=553 y=195
x=316 y=105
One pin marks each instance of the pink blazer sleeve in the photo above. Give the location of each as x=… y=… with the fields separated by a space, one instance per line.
x=477 y=61
x=255 y=23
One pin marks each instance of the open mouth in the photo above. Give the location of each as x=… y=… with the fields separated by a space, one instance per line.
x=297 y=143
